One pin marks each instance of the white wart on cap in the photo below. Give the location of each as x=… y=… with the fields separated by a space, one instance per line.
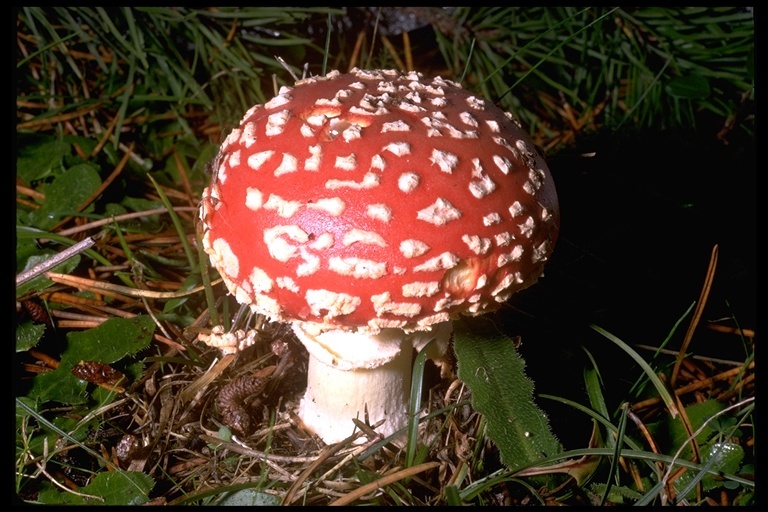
x=378 y=199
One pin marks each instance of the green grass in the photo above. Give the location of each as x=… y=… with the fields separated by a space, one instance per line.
x=585 y=69
x=119 y=112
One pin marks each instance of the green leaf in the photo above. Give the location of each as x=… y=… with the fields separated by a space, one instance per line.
x=111 y=341
x=697 y=415
x=489 y=364
x=139 y=204
x=247 y=498
x=25 y=249
x=39 y=157
x=595 y=392
x=28 y=335
x=718 y=457
x=581 y=469
x=106 y=488
x=617 y=494
x=59 y=386
x=691 y=87
x=65 y=194
x=671 y=433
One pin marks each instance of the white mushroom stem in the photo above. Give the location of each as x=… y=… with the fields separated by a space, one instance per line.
x=350 y=373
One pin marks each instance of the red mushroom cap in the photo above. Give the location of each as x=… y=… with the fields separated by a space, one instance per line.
x=378 y=199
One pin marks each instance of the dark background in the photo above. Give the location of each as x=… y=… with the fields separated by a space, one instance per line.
x=640 y=219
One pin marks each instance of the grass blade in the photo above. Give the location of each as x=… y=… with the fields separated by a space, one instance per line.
x=660 y=387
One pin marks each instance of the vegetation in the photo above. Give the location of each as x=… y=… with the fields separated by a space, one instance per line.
x=119 y=111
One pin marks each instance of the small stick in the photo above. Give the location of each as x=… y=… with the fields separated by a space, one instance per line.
x=697 y=385
x=383 y=482
x=696 y=315
x=287 y=67
x=107 y=288
x=125 y=216
x=408 y=52
x=54 y=260
x=326 y=454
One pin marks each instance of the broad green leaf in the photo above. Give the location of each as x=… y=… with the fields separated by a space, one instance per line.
x=718 y=457
x=489 y=364
x=65 y=194
x=689 y=87
x=86 y=144
x=28 y=335
x=109 y=342
x=39 y=157
x=139 y=204
x=697 y=415
x=25 y=248
x=21 y=414
x=247 y=498
x=59 y=386
x=671 y=433
x=106 y=488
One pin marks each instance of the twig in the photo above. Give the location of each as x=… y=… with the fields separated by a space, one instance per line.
x=407 y=51
x=73 y=300
x=694 y=386
x=354 y=453
x=644 y=430
x=357 y=49
x=327 y=453
x=706 y=359
x=30 y=192
x=77 y=316
x=696 y=315
x=42 y=121
x=383 y=482
x=234 y=447
x=747 y=333
x=169 y=342
x=206 y=378
x=54 y=260
x=92 y=285
x=152 y=315
x=105 y=136
x=125 y=216
x=393 y=52
x=287 y=67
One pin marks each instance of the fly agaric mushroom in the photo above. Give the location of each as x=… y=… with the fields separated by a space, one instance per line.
x=369 y=209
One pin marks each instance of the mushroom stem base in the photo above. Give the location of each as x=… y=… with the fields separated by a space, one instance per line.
x=369 y=395
x=339 y=390
x=351 y=374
